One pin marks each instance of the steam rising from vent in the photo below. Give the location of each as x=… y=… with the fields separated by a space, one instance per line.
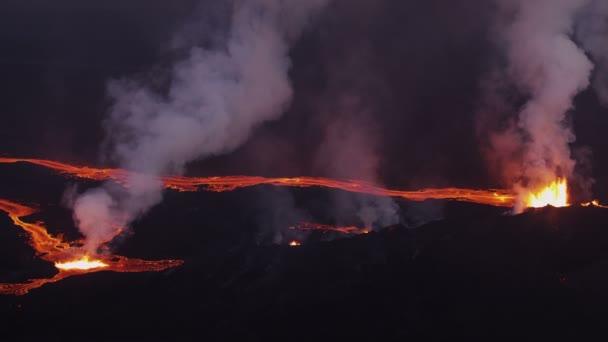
x=348 y=152
x=215 y=99
x=547 y=69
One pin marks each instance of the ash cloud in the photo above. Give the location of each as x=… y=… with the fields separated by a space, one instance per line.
x=215 y=98
x=543 y=70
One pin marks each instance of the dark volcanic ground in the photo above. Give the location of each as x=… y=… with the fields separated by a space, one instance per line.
x=474 y=273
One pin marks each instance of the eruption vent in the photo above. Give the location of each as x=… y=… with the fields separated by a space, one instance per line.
x=68 y=260
x=82 y=264
x=215 y=99
x=556 y=195
x=548 y=70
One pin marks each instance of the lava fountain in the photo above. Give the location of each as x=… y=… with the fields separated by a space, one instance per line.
x=82 y=264
x=554 y=194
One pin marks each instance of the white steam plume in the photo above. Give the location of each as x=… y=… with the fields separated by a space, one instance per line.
x=548 y=69
x=215 y=99
x=592 y=32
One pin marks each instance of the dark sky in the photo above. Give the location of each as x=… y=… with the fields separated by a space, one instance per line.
x=404 y=73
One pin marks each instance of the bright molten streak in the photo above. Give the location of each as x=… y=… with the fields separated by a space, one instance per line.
x=68 y=260
x=502 y=198
x=327 y=228
x=82 y=264
x=594 y=203
x=555 y=194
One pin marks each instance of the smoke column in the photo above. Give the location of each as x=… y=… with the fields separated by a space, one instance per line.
x=348 y=151
x=547 y=69
x=216 y=97
x=592 y=32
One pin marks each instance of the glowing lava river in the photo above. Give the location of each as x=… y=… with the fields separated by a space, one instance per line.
x=68 y=260
x=502 y=198
x=328 y=228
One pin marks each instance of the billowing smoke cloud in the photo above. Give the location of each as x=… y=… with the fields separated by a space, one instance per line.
x=592 y=32
x=215 y=98
x=546 y=69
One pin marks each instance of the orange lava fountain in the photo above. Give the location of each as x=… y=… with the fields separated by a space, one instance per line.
x=555 y=194
x=502 y=198
x=68 y=260
x=81 y=264
x=294 y=243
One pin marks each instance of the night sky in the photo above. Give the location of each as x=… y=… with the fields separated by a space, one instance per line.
x=403 y=77
x=397 y=93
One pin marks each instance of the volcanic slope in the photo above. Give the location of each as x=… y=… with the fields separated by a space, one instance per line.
x=474 y=273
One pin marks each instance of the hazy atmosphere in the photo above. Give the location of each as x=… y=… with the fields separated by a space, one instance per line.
x=241 y=145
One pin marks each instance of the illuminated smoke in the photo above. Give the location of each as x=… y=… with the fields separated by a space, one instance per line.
x=215 y=98
x=547 y=69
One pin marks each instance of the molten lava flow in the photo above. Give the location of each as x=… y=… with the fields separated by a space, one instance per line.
x=555 y=194
x=118 y=175
x=327 y=228
x=502 y=198
x=83 y=264
x=594 y=203
x=68 y=260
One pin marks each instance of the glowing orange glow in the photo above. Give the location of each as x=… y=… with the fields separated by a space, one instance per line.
x=594 y=203
x=327 y=228
x=68 y=260
x=502 y=198
x=294 y=243
x=81 y=264
x=555 y=194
